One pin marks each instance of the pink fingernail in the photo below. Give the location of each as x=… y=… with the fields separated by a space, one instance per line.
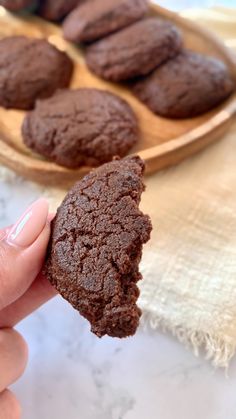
x=29 y=226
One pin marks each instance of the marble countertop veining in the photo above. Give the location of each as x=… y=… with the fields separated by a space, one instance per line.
x=72 y=374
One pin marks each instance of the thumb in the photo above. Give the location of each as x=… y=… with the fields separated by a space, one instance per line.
x=22 y=252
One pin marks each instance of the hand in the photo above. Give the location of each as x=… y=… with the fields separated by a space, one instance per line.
x=22 y=289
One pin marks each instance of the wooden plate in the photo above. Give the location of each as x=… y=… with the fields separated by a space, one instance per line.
x=164 y=142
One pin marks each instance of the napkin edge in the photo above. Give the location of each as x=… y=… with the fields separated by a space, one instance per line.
x=218 y=350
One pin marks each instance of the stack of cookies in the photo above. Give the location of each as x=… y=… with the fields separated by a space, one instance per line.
x=124 y=44
x=73 y=128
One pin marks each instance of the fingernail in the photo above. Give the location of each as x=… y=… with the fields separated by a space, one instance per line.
x=29 y=226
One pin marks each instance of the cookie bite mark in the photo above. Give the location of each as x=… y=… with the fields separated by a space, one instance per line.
x=56 y=10
x=96 y=246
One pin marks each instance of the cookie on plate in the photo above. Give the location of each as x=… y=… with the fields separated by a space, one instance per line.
x=134 y=51
x=96 y=19
x=30 y=69
x=56 y=10
x=15 y=5
x=186 y=86
x=96 y=247
x=81 y=127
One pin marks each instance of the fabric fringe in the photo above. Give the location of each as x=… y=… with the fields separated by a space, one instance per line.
x=217 y=350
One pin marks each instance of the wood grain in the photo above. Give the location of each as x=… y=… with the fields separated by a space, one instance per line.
x=163 y=142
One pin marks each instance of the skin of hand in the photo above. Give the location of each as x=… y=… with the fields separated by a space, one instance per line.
x=23 y=288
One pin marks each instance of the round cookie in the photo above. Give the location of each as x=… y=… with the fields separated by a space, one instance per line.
x=56 y=9
x=15 y=5
x=134 y=51
x=186 y=86
x=96 y=246
x=30 y=69
x=96 y=19
x=81 y=127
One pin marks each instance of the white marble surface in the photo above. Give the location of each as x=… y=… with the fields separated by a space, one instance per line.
x=73 y=375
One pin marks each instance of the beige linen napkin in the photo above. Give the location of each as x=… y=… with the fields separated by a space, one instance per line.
x=189 y=266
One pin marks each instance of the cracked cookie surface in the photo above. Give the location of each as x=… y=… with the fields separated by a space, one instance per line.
x=81 y=127
x=134 y=51
x=186 y=86
x=96 y=246
x=30 y=69
x=96 y=19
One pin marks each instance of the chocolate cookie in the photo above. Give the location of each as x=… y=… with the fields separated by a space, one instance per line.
x=134 y=51
x=30 y=69
x=56 y=9
x=96 y=246
x=15 y=5
x=81 y=127
x=185 y=86
x=96 y=19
